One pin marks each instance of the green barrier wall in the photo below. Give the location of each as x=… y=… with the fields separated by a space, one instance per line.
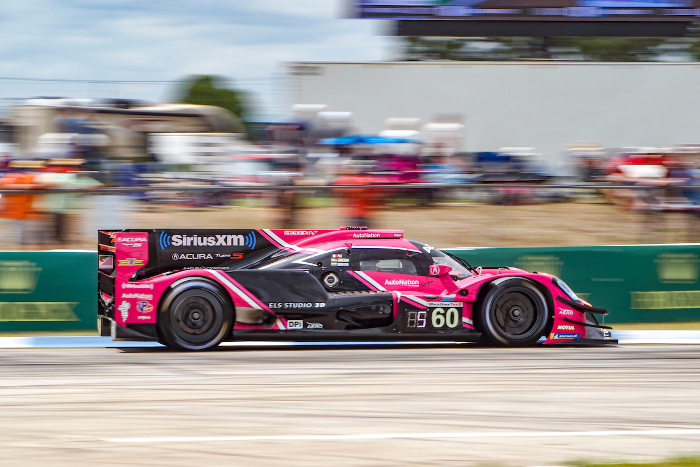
x=56 y=290
x=48 y=291
x=640 y=283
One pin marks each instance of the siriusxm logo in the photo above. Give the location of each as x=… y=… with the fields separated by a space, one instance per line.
x=166 y=240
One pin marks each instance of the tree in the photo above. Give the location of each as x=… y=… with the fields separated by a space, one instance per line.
x=212 y=90
x=623 y=49
x=618 y=49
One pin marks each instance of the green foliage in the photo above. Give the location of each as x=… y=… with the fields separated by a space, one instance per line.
x=418 y=48
x=212 y=90
x=615 y=49
x=625 y=49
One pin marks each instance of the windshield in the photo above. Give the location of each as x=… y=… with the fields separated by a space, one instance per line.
x=459 y=270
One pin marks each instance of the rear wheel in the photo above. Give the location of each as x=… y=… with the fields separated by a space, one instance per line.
x=513 y=313
x=194 y=316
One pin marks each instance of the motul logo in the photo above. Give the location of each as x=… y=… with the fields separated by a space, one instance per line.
x=565 y=327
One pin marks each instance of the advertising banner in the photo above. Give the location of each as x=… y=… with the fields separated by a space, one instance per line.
x=636 y=284
x=48 y=291
x=57 y=290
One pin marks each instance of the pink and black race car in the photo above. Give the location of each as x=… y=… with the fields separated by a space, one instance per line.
x=193 y=289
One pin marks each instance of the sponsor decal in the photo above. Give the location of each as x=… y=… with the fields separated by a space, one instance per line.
x=300 y=232
x=541 y=263
x=665 y=300
x=185 y=268
x=565 y=312
x=440 y=304
x=166 y=240
x=181 y=256
x=337 y=259
x=428 y=248
x=131 y=285
x=18 y=276
x=130 y=262
x=555 y=335
x=139 y=296
x=143 y=306
x=112 y=235
x=297 y=305
x=314 y=326
x=677 y=268
x=132 y=241
x=38 y=311
x=106 y=262
x=402 y=282
x=295 y=324
x=448 y=298
x=434 y=269
x=366 y=235
x=565 y=327
x=124 y=310
x=143 y=317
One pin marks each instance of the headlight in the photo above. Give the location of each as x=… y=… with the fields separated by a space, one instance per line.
x=566 y=289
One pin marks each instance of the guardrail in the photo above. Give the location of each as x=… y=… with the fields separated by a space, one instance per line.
x=48 y=291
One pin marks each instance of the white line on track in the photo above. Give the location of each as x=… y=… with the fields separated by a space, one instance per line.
x=375 y=436
x=625 y=337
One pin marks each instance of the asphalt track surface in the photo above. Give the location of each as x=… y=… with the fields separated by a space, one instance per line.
x=357 y=405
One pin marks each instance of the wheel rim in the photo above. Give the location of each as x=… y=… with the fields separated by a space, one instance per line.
x=196 y=319
x=517 y=314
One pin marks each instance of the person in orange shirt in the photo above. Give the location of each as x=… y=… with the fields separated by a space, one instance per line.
x=21 y=206
x=360 y=203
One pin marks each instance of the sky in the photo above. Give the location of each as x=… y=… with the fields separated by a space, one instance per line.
x=152 y=41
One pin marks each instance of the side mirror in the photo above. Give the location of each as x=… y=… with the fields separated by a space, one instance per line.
x=439 y=270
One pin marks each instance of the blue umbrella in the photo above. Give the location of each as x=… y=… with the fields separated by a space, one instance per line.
x=365 y=139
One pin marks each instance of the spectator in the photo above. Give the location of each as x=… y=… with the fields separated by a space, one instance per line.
x=21 y=207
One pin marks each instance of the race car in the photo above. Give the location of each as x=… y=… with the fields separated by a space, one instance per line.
x=193 y=289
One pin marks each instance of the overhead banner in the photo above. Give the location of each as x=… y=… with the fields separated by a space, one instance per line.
x=530 y=10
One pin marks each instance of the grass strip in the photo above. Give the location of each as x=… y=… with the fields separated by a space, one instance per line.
x=679 y=462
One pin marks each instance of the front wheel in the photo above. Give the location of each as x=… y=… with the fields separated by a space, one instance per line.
x=194 y=317
x=513 y=313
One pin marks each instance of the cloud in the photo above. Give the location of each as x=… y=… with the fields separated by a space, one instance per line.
x=162 y=40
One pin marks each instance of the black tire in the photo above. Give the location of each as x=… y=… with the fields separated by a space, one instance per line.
x=194 y=315
x=513 y=313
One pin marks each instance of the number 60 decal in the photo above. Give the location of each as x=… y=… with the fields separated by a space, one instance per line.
x=441 y=317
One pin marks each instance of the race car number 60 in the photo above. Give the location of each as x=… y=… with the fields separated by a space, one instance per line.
x=440 y=317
